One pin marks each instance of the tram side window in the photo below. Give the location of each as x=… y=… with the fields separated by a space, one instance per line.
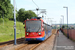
x=44 y=26
x=49 y=28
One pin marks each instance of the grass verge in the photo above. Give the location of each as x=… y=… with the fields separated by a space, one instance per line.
x=7 y=31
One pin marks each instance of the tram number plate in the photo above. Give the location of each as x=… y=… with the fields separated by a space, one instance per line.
x=33 y=38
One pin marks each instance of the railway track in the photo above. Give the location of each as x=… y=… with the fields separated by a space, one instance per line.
x=27 y=46
x=19 y=40
x=30 y=46
x=39 y=44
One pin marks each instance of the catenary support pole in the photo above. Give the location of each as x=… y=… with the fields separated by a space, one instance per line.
x=14 y=24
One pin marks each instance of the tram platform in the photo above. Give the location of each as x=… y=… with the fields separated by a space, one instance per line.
x=63 y=43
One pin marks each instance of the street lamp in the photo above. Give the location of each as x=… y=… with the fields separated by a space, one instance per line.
x=67 y=21
x=60 y=22
x=63 y=19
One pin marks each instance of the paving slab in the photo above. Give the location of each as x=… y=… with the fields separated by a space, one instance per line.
x=63 y=43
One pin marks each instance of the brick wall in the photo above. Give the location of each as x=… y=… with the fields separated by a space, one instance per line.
x=71 y=33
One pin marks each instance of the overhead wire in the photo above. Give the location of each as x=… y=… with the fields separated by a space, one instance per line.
x=35 y=3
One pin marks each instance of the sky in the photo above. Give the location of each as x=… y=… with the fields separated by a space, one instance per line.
x=54 y=9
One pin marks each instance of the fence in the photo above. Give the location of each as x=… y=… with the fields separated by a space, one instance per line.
x=71 y=33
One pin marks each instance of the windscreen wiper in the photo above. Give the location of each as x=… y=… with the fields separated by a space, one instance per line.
x=38 y=29
x=28 y=29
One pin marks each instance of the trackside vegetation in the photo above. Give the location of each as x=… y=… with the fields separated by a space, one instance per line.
x=7 y=30
x=7 y=20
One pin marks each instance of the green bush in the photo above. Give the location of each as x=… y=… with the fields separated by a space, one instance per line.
x=1 y=20
x=6 y=19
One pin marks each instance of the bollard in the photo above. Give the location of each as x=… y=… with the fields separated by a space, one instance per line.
x=68 y=35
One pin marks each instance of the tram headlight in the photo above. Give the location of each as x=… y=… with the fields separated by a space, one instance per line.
x=27 y=34
x=39 y=33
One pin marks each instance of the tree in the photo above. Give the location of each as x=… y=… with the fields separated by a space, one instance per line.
x=23 y=15
x=29 y=14
x=63 y=26
x=6 y=9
